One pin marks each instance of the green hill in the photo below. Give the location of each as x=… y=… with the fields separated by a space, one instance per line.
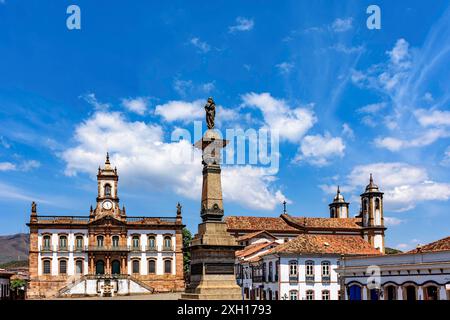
x=14 y=247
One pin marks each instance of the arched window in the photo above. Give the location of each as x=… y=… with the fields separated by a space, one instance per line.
x=377 y=204
x=62 y=266
x=309 y=270
x=168 y=266
x=79 y=242
x=293 y=270
x=100 y=241
x=293 y=295
x=115 y=241
x=79 y=266
x=135 y=266
x=135 y=242
x=100 y=267
x=431 y=292
x=365 y=205
x=62 y=242
x=46 y=243
x=325 y=295
x=410 y=293
x=151 y=242
x=325 y=268
x=309 y=294
x=107 y=190
x=47 y=267
x=333 y=212
x=115 y=267
x=151 y=266
x=167 y=242
x=390 y=292
x=270 y=271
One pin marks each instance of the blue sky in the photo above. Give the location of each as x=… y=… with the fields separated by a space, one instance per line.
x=346 y=101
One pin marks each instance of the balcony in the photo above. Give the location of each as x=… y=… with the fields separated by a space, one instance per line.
x=258 y=279
x=167 y=248
x=309 y=278
x=293 y=278
x=63 y=249
x=151 y=248
x=326 y=279
x=109 y=248
x=46 y=249
x=135 y=249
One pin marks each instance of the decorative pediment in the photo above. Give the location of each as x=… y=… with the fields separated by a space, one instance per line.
x=107 y=220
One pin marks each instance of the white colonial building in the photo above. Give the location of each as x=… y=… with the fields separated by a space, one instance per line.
x=299 y=269
x=421 y=274
x=5 y=284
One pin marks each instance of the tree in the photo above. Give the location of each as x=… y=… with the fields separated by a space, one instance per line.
x=187 y=237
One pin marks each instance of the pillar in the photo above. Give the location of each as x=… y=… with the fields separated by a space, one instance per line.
x=92 y=271
x=399 y=293
x=364 y=293
x=420 y=293
x=442 y=293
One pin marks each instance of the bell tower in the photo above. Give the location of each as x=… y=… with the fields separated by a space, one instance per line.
x=372 y=215
x=339 y=208
x=107 y=199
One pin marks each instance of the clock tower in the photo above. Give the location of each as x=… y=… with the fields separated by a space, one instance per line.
x=107 y=199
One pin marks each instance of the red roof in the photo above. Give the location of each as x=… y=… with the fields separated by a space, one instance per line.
x=439 y=245
x=271 y=224
x=290 y=224
x=326 y=244
x=253 y=248
x=254 y=235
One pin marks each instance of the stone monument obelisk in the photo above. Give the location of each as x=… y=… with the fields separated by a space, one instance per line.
x=212 y=248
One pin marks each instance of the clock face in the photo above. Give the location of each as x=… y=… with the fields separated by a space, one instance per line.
x=107 y=205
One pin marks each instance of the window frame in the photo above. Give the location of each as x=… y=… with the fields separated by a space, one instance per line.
x=169 y=238
x=154 y=264
x=326 y=293
x=169 y=261
x=101 y=243
x=309 y=293
x=291 y=292
x=293 y=268
x=49 y=266
x=60 y=266
x=77 y=261
x=108 y=187
x=135 y=262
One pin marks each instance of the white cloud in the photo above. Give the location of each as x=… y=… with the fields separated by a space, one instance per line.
x=24 y=166
x=347 y=50
x=446 y=160
x=291 y=123
x=347 y=131
x=187 y=87
x=317 y=150
x=4 y=143
x=341 y=25
x=137 y=105
x=392 y=221
x=432 y=118
x=181 y=110
x=404 y=185
x=144 y=159
x=242 y=24
x=202 y=46
x=423 y=138
x=92 y=100
x=400 y=55
x=285 y=67
x=372 y=108
x=7 y=166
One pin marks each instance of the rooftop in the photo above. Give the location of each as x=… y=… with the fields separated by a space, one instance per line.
x=326 y=244
x=439 y=245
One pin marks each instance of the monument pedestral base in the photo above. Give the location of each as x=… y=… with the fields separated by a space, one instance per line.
x=212 y=264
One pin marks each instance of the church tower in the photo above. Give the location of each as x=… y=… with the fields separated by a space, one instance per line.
x=107 y=199
x=372 y=215
x=339 y=208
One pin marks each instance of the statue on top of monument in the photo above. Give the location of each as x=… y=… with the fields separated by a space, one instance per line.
x=210 y=109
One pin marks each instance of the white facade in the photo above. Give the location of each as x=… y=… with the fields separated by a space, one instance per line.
x=409 y=276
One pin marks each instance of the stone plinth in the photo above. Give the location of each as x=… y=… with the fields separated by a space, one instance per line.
x=212 y=264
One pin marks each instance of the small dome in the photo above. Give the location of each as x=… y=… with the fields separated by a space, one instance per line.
x=339 y=197
x=371 y=186
x=211 y=135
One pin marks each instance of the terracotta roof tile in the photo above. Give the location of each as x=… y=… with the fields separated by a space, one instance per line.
x=253 y=248
x=439 y=245
x=326 y=244
x=328 y=223
x=271 y=224
x=253 y=235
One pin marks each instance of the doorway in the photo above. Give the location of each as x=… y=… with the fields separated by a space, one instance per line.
x=411 y=293
x=100 y=267
x=115 y=266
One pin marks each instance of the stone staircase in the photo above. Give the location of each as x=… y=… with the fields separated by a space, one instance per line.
x=88 y=285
